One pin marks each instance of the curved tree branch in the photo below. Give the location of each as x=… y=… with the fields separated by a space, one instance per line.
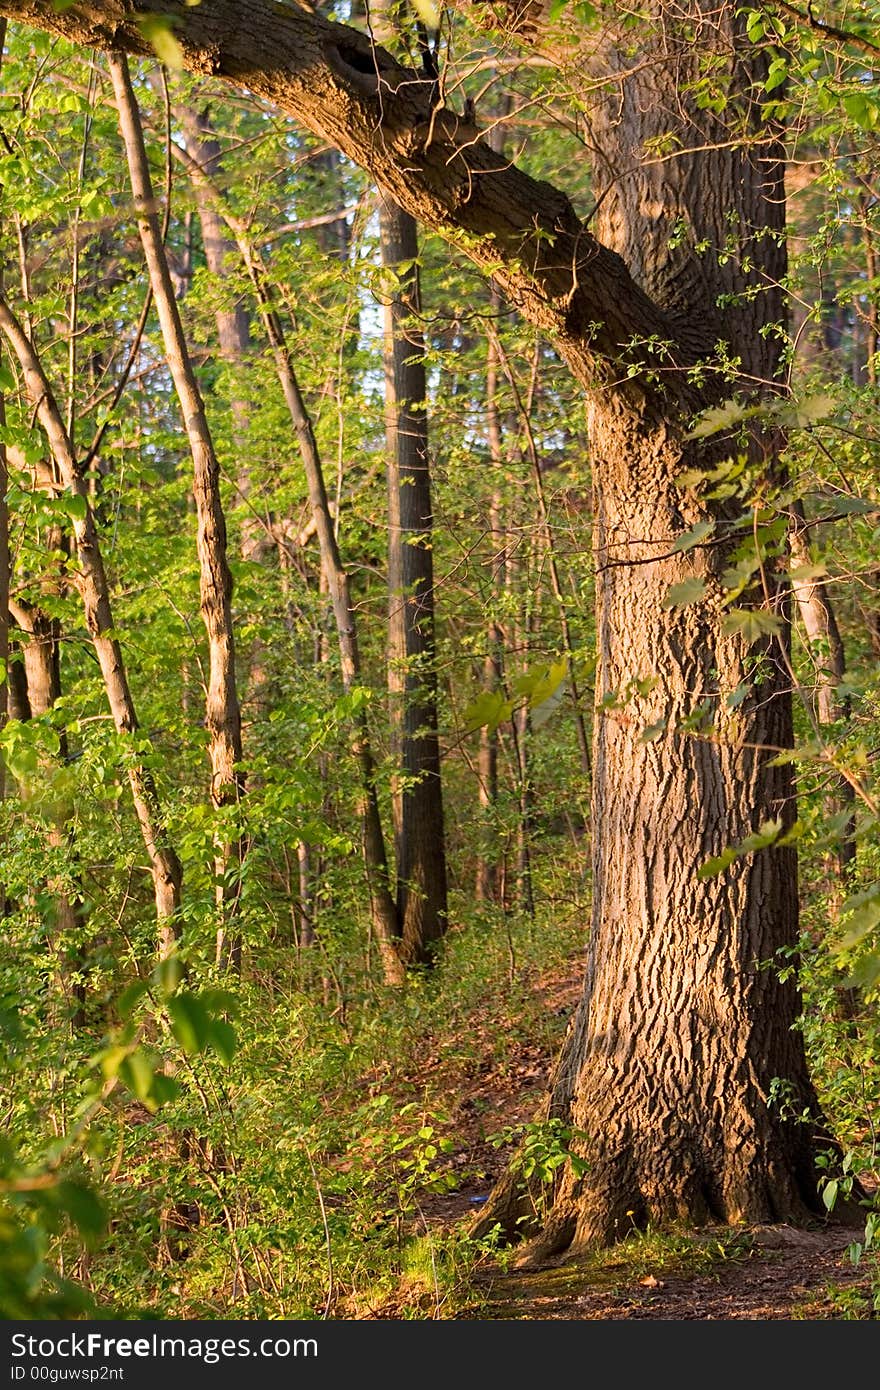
x=337 y=82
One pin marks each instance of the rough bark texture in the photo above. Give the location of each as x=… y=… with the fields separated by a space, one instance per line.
x=681 y=1071
x=412 y=677
x=222 y=710
x=683 y=1047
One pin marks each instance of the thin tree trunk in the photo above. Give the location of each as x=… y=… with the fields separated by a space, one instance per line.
x=383 y=909
x=40 y=647
x=487 y=760
x=521 y=735
x=94 y=591
x=222 y=711
x=552 y=563
x=412 y=676
x=384 y=912
x=829 y=657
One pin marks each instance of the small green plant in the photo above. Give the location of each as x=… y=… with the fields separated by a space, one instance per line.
x=543 y=1148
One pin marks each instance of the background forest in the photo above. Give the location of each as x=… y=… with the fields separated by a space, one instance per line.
x=299 y=685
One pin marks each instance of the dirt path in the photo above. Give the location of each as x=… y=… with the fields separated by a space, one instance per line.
x=719 y=1274
x=776 y=1272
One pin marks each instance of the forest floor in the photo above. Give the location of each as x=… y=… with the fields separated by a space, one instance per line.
x=720 y=1273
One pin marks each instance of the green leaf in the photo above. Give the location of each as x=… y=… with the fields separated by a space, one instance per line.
x=223 y=1039
x=866 y=974
x=776 y=74
x=130 y=997
x=688 y=591
x=736 y=697
x=690 y=538
x=721 y=417
x=755 y=26
x=768 y=833
x=753 y=623
x=488 y=710
x=136 y=1072
x=547 y=684
x=84 y=1208
x=802 y=573
x=7 y=379
x=191 y=1023
x=717 y=865
x=813 y=408
x=165 y=1088
x=168 y=974
x=157 y=30
x=75 y=506
x=860 y=915
x=652 y=732
x=829 y=1193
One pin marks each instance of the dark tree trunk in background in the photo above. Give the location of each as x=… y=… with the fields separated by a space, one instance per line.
x=412 y=675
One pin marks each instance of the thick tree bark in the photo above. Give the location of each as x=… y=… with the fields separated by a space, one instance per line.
x=412 y=675
x=682 y=1071
x=222 y=710
x=94 y=591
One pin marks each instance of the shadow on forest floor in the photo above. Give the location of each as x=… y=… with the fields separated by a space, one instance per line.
x=765 y=1273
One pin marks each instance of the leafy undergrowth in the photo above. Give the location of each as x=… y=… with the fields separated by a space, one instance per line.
x=330 y=1167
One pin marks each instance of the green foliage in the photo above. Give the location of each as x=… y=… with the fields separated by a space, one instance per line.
x=182 y=1142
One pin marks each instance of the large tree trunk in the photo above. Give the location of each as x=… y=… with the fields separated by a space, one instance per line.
x=412 y=676
x=682 y=1072
x=671 y=1064
x=681 y=1069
